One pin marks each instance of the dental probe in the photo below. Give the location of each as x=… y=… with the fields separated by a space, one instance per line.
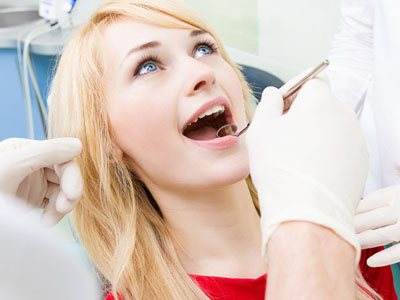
x=232 y=129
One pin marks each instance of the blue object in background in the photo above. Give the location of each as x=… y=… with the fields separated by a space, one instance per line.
x=258 y=80
x=13 y=118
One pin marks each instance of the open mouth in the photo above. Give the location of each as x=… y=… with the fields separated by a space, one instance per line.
x=207 y=124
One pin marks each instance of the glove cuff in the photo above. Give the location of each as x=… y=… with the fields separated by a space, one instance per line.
x=286 y=196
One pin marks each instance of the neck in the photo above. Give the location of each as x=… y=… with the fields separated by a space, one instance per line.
x=215 y=233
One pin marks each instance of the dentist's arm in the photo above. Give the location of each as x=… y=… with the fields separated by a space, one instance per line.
x=43 y=174
x=307 y=261
x=309 y=166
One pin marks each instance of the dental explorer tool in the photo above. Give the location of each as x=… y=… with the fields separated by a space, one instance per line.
x=232 y=129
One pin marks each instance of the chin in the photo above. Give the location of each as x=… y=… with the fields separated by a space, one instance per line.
x=224 y=175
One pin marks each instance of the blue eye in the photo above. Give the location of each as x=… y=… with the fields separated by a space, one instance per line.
x=147 y=68
x=148 y=64
x=202 y=50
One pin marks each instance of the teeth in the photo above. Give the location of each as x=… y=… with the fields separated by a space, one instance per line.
x=217 y=110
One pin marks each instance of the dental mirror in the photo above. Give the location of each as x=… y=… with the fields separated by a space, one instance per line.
x=232 y=129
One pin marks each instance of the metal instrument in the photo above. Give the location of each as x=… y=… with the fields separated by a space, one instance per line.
x=232 y=129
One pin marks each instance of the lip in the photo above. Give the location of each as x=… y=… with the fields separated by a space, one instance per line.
x=206 y=106
x=217 y=143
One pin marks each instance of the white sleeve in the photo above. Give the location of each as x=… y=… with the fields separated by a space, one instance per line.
x=351 y=57
x=386 y=92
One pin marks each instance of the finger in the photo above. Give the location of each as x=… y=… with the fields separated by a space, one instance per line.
x=378 y=237
x=52 y=191
x=39 y=154
x=288 y=101
x=65 y=205
x=70 y=180
x=59 y=201
x=375 y=199
x=33 y=188
x=13 y=144
x=374 y=219
x=292 y=82
x=51 y=176
x=314 y=91
x=50 y=215
x=385 y=257
x=271 y=105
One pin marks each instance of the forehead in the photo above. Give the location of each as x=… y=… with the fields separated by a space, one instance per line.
x=124 y=34
x=128 y=31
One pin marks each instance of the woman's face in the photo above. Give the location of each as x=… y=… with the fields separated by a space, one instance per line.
x=158 y=81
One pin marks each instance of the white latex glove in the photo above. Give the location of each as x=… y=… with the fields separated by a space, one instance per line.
x=377 y=223
x=309 y=164
x=43 y=174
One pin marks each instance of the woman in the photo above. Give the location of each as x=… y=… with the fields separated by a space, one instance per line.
x=144 y=86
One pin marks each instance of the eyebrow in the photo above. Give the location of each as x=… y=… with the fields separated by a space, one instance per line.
x=149 y=45
x=155 y=44
x=197 y=32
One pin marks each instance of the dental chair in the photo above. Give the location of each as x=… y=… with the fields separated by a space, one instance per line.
x=259 y=80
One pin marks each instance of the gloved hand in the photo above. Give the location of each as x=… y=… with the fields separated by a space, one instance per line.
x=309 y=164
x=377 y=223
x=43 y=174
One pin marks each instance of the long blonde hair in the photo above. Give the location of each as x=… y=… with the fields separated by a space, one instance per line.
x=118 y=222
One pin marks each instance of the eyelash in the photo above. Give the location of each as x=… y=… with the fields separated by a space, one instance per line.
x=209 y=44
x=144 y=60
x=156 y=60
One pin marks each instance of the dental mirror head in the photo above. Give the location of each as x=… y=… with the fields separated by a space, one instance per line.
x=231 y=129
x=228 y=129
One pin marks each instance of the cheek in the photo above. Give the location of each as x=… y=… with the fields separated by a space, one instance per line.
x=139 y=125
x=233 y=88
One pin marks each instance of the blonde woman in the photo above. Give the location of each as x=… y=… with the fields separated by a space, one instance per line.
x=168 y=210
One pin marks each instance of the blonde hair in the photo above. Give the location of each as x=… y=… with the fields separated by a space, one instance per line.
x=117 y=220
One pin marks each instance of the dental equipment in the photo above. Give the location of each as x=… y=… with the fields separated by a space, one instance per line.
x=57 y=15
x=232 y=129
x=55 y=10
x=69 y=13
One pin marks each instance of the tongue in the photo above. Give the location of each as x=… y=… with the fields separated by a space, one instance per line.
x=202 y=133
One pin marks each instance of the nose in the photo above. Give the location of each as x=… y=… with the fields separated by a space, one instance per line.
x=200 y=78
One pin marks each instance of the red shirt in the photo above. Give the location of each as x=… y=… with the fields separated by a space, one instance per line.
x=221 y=288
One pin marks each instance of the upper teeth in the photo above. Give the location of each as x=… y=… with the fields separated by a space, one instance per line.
x=217 y=110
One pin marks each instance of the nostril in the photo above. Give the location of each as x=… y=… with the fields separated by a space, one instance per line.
x=200 y=85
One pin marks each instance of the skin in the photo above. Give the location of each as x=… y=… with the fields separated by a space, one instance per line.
x=201 y=191
x=319 y=264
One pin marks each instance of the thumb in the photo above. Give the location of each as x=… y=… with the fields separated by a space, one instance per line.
x=271 y=105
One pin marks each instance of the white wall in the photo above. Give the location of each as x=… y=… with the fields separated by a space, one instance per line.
x=295 y=34
x=235 y=21
x=13 y=3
